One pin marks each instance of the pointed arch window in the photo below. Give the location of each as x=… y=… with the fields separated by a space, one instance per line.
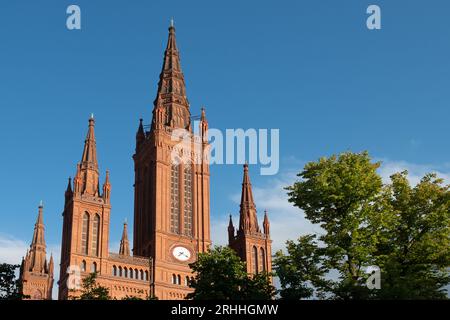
x=115 y=271
x=187 y=217
x=255 y=260
x=174 y=199
x=94 y=267
x=263 y=260
x=83 y=266
x=95 y=235
x=85 y=233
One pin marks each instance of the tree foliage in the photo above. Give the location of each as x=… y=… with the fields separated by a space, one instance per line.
x=403 y=230
x=220 y=274
x=91 y=290
x=414 y=251
x=300 y=270
x=10 y=286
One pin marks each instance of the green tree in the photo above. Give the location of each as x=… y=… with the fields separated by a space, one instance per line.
x=91 y=290
x=403 y=230
x=258 y=287
x=301 y=269
x=220 y=274
x=414 y=254
x=10 y=286
x=340 y=194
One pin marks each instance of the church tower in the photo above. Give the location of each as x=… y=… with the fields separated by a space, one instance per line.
x=36 y=275
x=251 y=244
x=171 y=212
x=85 y=237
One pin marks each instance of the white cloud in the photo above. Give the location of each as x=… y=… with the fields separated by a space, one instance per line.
x=11 y=249
x=415 y=171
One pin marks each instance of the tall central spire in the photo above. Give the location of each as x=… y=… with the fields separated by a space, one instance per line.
x=248 y=221
x=171 y=97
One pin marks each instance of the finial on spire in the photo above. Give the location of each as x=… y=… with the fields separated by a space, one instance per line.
x=41 y=204
x=203 y=114
x=92 y=115
x=125 y=221
x=171 y=22
x=124 y=243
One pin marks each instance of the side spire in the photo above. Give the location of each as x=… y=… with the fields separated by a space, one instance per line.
x=107 y=188
x=69 y=185
x=36 y=255
x=248 y=221
x=230 y=230
x=50 y=265
x=266 y=223
x=124 y=243
x=36 y=275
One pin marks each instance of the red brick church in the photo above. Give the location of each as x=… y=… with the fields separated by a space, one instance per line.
x=171 y=211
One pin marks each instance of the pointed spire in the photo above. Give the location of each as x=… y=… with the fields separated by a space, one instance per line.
x=203 y=126
x=266 y=223
x=203 y=116
x=51 y=265
x=124 y=243
x=172 y=43
x=40 y=213
x=248 y=221
x=140 y=133
x=106 y=188
x=87 y=178
x=69 y=185
x=36 y=255
x=230 y=230
x=107 y=177
x=171 y=95
x=90 y=150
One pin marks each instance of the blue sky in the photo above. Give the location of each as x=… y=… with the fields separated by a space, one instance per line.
x=310 y=68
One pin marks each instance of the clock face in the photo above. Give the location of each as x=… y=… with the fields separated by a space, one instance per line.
x=181 y=253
